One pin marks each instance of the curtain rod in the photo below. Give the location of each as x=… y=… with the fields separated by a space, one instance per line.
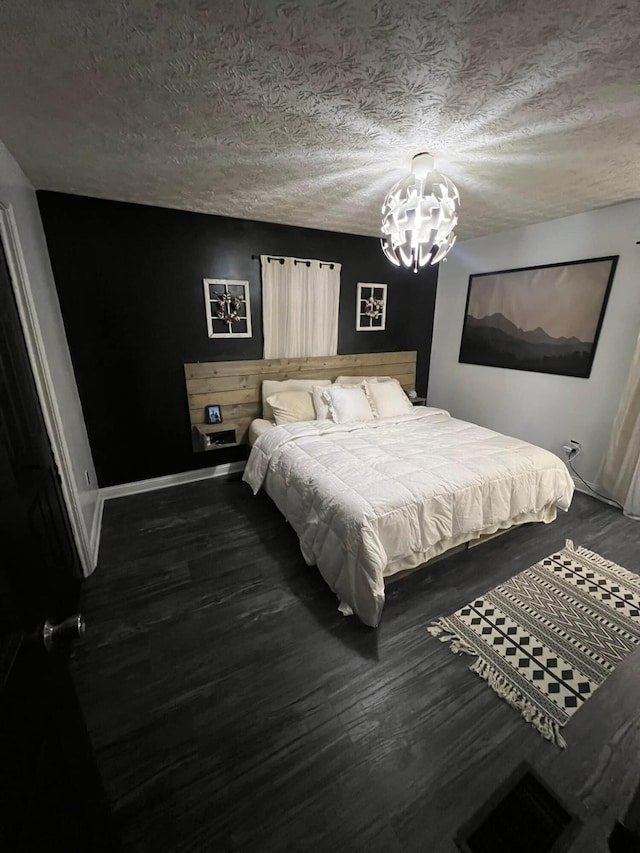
x=270 y=258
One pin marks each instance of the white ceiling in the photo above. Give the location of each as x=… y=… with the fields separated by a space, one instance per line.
x=306 y=112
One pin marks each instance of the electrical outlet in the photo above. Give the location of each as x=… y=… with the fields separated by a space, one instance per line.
x=572 y=448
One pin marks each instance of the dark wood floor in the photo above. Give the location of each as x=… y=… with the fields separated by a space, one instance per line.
x=233 y=708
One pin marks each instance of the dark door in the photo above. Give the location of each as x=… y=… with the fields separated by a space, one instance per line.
x=51 y=795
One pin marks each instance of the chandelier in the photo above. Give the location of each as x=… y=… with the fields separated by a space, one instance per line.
x=419 y=215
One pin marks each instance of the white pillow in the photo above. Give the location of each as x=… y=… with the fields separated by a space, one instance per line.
x=387 y=399
x=290 y=407
x=273 y=386
x=357 y=380
x=319 y=404
x=347 y=403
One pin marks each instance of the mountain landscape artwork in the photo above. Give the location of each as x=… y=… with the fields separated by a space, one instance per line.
x=545 y=319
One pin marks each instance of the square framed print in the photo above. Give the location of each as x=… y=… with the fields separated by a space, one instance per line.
x=213 y=415
x=371 y=307
x=545 y=319
x=228 y=308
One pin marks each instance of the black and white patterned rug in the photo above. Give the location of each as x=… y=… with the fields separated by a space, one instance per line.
x=546 y=639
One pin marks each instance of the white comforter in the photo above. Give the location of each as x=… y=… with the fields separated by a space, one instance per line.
x=368 y=500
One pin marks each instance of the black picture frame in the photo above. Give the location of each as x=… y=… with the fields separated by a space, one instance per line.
x=496 y=339
x=213 y=414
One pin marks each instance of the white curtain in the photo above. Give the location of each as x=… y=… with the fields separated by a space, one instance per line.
x=299 y=307
x=620 y=473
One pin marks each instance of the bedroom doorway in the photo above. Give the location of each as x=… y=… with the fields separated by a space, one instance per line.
x=51 y=794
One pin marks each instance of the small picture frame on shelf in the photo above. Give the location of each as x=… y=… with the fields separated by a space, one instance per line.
x=213 y=415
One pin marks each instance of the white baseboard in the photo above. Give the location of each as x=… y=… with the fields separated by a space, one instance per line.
x=96 y=530
x=171 y=480
x=584 y=490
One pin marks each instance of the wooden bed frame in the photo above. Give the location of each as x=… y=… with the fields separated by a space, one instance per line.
x=472 y=543
x=235 y=386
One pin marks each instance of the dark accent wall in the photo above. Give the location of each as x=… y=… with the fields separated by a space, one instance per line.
x=129 y=279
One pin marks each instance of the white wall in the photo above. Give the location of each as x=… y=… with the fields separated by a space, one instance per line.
x=38 y=301
x=543 y=409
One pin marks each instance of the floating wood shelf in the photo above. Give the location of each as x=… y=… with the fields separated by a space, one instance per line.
x=214 y=436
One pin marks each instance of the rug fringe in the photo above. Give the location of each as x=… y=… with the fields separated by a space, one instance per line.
x=547 y=727
x=598 y=560
x=446 y=634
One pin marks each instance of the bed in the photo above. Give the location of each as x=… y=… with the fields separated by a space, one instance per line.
x=369 y=500
x=374 y=500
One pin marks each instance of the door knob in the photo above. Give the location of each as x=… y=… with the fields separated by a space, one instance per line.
x=74 y=626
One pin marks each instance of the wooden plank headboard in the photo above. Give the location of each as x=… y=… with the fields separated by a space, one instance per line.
x=235 y=385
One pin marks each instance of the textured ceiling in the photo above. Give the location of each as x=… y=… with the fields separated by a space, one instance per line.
x=306 y=112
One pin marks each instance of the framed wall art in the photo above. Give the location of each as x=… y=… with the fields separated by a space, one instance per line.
x=228 y=308
x=545 y=319
x=371 y=307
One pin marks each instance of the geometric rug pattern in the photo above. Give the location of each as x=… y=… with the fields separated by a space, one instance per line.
x=547 y=638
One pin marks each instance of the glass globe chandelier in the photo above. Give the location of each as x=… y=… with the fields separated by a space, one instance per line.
x=419 y=215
